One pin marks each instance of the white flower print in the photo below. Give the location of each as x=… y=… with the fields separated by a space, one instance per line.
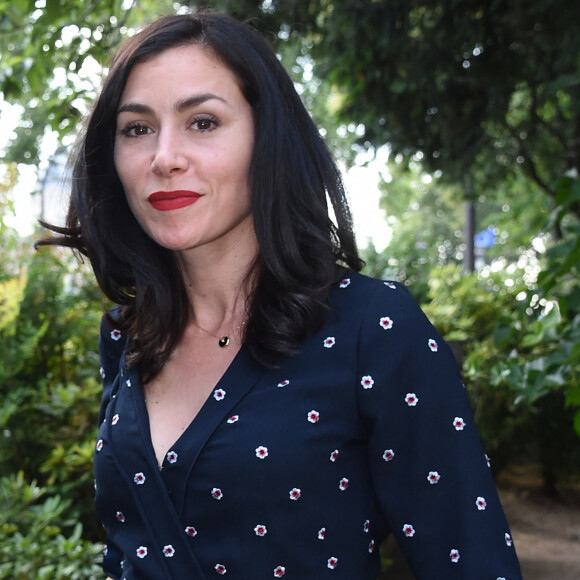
x=411 y=399
x=458 y=423
x=386 y=323
x=142 y=551
x=220 y=569
x=433 y=477
x=334 y=455
x=233 y=419
x=508 y=539
x=120 y=516
x=219 y=394
x=168 y=551
x=367 y=382
x=371 y=546
x=332 y=563
x=313 y=416
x=279 y=571
x=433 y=345
x=128 y=382
x=191 y=531
x=408 y=530
x=322 y=533
x=115 y=334
x=388 y=455
x=500 y=578
x=295 y=493
x=102 y=372
x=115 y=419
x=260 y=530
x=390 y=285
x=172 y=456
x=366 y=526
x=139 y=478
x=345 y=283
x=261 y=452
x=216 y=493
x=454 y=555
x=343 y=484
x=329 y=342
x=480 y=503
x=99 y=445
x=284 y=383
x=487 y=460
x=105 y=550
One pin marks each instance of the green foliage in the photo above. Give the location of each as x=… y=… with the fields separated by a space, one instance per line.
x=560 y=281
x=520 y=362
x=40 y=538
x=427 y=217
x=49 y=381
x=491 y=86
x=10 y=246
x=497 y=93
x=51 y=54
x=427 y=225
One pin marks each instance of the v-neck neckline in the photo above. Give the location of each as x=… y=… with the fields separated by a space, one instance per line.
x=238 y=379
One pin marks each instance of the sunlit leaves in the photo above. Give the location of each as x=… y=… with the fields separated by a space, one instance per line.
x=51 y=54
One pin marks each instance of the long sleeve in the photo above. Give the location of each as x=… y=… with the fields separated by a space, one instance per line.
x=430 y=473
x=111 y=346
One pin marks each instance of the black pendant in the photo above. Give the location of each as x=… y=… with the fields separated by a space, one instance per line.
x=224 y=341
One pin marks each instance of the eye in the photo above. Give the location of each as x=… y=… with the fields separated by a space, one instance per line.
x=136 y=130
x=204 y=124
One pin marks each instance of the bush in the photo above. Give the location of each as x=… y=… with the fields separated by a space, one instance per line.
x=49 y=380
x=520 y=363
x=49 y=397
x=40 y=537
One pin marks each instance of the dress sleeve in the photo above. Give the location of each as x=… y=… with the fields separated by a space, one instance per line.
x=431 y=476
x=111 y=346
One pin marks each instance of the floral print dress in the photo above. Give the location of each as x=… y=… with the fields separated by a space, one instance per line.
x=299 y=472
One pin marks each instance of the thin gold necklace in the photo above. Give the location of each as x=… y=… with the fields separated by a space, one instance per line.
x=225 y=339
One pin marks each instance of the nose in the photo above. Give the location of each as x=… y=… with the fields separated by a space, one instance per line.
x=170 y=154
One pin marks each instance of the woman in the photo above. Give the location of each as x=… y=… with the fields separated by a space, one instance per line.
x=267 y=411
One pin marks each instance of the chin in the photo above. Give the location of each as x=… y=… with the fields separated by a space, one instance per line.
x=173 y=244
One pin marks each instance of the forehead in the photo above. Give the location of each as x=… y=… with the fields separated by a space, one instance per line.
x=180 y=69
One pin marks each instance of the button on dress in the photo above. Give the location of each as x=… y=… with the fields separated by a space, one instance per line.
x=299 y=472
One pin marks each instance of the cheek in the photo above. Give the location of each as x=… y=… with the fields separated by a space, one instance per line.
x=242 y=165
x=119 y=165
x=126 y=173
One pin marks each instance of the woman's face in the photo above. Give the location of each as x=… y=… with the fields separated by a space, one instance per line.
x=183 y=146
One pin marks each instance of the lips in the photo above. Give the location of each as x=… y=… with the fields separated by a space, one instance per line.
x=172 y=200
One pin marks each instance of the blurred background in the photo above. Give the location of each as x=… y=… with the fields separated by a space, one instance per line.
x=457 y=127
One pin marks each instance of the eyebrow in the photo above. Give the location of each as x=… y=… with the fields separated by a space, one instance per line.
x=180 y=106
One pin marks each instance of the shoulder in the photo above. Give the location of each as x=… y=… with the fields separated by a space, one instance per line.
x=112 y=340
x=385 y=318
x=358 y=291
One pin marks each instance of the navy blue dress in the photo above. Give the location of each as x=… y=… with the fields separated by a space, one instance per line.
x=301 y=471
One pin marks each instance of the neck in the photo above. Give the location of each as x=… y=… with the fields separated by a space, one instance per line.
x=218 y=288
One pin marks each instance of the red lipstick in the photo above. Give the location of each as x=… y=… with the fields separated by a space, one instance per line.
x=170 y=200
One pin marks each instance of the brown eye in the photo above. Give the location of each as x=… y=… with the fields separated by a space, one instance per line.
x=140 y=130
x=204 y=124
x=135 y=130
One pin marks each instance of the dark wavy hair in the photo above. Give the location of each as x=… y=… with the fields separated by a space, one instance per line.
x=292 y=177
